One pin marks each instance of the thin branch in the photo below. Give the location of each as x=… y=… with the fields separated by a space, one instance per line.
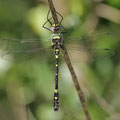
x=68 y=62
x=53 y=11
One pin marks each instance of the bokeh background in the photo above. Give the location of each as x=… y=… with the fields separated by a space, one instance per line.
x=26 y=88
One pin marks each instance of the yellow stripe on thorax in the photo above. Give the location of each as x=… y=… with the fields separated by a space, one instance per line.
x=56 y=37
x=57 y=50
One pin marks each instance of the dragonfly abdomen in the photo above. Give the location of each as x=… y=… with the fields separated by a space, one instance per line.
x=56 y=93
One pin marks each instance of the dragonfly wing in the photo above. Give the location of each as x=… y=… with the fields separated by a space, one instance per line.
x=23 y=49
x=24 y=43
x=82 y=54
x=82 y=47
x=76 y=39
x=26 y=55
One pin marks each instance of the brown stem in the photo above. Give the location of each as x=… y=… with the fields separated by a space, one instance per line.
x=68 y=62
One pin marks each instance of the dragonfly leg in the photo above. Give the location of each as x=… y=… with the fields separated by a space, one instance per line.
x=65 y=31
x=48 y=21
x=45 y=24
x=61 y=17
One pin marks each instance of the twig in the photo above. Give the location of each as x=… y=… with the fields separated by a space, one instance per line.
x=53 y=11
x=68 y=62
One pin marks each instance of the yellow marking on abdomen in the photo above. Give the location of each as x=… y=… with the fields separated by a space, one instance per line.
x=56 y=91
x=56 y=56
x=57 y=50
x=56 y=98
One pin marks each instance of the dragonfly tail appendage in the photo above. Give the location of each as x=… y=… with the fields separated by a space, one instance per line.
x=56 y=100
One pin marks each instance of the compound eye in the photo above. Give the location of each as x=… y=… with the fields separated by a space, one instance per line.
x=56 y=28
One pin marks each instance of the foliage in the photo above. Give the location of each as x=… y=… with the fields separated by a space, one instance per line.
x=26 y=87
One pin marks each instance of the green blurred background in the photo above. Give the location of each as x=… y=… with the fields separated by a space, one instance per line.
x=26 y=88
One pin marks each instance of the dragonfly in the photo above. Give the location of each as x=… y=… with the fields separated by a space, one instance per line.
x=56 y=44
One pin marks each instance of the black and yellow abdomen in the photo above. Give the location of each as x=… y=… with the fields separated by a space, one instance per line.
x=56 y=93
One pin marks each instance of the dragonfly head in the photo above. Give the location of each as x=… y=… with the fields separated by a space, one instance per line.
x=56 y=27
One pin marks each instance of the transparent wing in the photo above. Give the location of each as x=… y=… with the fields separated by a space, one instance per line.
x=77 y=39
x=48 y=41
x=25 y=42
x=80 y=53
x=83 y=49
x=33 y=42
x=76 y=46
x=24 y=48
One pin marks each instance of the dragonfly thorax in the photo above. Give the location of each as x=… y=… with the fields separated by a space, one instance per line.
x=57 y=41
